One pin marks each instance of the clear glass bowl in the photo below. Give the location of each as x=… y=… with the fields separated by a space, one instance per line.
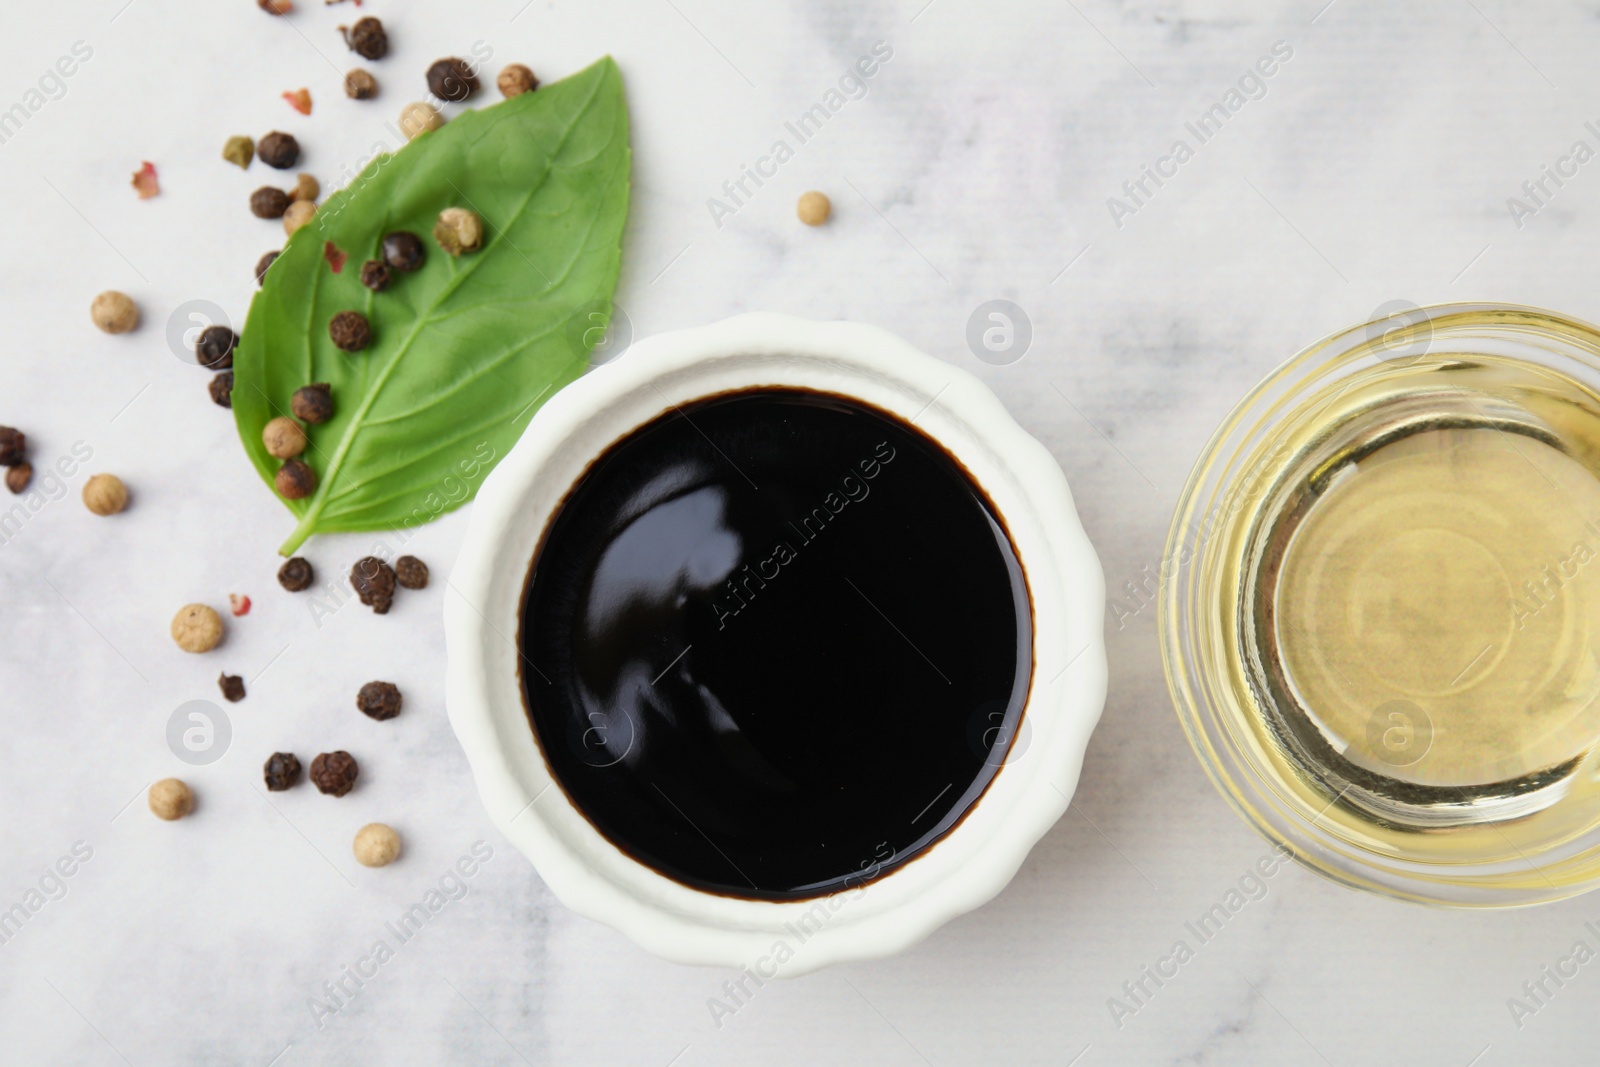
x=1494 y=818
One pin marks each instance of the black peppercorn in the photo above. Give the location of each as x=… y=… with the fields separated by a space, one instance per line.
x=350 y=331
x=373 y=581
x=222 y=389
x=366 y=38
x=214 y=348
x=404 y=251
x=268 y=203
x=13 y=446
x=411 y=572
x=375 y=275
x=334 y=773
x=278 y=150
x=295 y=480
x=232 y=687
x=281 y=771
x=452 y=79
x=312 y=403
x=379 y=700
x=262 y=264
x=296 y=575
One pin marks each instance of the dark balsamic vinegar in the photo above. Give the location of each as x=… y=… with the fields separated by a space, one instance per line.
x=777 y=643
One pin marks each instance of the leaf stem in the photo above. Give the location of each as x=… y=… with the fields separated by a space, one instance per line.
x=305 y=528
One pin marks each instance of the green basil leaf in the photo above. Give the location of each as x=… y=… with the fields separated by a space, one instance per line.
x=465 y=349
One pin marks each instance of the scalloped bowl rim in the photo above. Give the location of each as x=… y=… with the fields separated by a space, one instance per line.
x=962 y=870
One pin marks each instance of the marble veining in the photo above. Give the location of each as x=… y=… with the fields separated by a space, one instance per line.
x=978 y=165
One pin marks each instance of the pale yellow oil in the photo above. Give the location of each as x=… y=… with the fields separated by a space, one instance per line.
x=1419 y=609
x=1450 y=571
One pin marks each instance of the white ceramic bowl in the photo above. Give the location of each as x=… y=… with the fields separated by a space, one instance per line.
x=976 y=859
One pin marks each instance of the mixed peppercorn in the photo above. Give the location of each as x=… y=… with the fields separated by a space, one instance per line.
x=282 y=771
x=374 y=581
x=379 y=700
x=14 y=458
x=334 y=773
x=198 y=628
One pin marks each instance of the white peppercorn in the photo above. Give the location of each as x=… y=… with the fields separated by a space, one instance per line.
x=170 y=799
x=104 y=494
x=114 y=312
x=197 y=628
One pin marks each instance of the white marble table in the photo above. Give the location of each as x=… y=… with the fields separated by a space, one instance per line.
x=1374 y=164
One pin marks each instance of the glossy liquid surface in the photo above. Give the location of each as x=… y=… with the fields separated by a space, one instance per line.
x=776 y=643
x=1437 y=612
x=1423 y=623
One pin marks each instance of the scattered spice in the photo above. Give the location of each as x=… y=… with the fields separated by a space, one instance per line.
x=276 y=7
x=144 y=181
x=278 y=150
x=239 y=151
x=334 y=255
x=334 y=773
x=282 y=771
x=283 y=437
x=373 y=581
x=418 y=118
x=411 y=572
x=104 y=494
x=294 y=480
x=376 y=845
x=239 y=604
x=305 y=188
x=360 y=85
x=296 y=575
x=269 y=203
x=813 y=208
x=114 y=312
x=13 y=456
x=379 y=700
x=197 y=628
x=458 y=230
x=313 y=403
x=13 y=446
x=232 y=687
x=263 y=263
x=297 y=215
x=222 y=389
x=214 y=347
x=366 y=38
x=170 y=799
x=515 y=80
x=300 y=100
x=404 y=251
x=375 y=275
x=452 y=79
x=350 y=331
